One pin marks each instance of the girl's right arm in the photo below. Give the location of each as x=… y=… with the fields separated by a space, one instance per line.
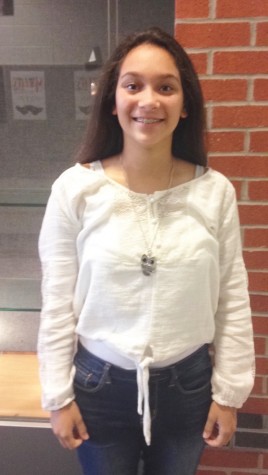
x=68 y=426
x=57 y=339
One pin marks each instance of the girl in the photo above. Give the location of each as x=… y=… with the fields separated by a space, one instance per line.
x=142 y=270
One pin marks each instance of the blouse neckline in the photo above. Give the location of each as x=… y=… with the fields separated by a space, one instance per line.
x=200 y=173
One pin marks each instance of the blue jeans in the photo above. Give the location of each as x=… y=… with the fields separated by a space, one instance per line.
x=180 y=397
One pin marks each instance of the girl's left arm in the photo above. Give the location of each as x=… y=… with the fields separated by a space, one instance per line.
x=234 y=365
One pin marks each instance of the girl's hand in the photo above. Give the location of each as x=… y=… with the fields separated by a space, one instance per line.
x=220 y=425
x=68 y=426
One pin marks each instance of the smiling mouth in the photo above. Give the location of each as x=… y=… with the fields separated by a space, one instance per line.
x=147 y=121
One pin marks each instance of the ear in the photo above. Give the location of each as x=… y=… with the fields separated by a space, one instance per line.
x=184 y=113
x=114 y=111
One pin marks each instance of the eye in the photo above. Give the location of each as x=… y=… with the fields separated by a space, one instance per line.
x=166 y=88
x=131 y=87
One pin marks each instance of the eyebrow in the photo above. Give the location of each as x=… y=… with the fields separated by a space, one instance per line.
x=160 y=76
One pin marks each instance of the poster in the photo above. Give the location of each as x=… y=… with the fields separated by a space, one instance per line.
x=3 y=112
x=28 y=95
x=84 y=89
x=6 y=7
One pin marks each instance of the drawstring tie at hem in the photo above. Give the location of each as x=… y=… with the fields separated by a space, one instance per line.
x=143 y=397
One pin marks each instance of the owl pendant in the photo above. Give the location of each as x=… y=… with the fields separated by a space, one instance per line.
x=148 y=264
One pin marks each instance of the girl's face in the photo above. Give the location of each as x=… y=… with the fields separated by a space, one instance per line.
x=149 y=97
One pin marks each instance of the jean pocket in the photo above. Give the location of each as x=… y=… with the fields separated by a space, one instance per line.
x=91 y=378
x=195 y=379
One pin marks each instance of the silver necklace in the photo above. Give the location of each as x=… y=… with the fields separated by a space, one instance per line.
x=148 y=260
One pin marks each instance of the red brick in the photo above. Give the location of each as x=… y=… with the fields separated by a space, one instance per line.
x=240 y=116
x=227 y=458
x=241 y=166
x=258 y=281
x=260 y=345
x=261 y=89
x=258 y=190
x=265 y=460
x=238 y=187
x=258 y=387
x=192 y=9
x=260 y=325
x=259 y=141
x=257 y=237
x=244 y=473
x=200 y=61
x=209 y=472
x=241 y=8
x=253 y=214
x=224 y=89
x=240 y=62
x=259 y=303
x=256 y=260
x=256 y=405
x=261 y=366
x=226 y=141
x=262 y=34
x=211 y=34
x=265 y=386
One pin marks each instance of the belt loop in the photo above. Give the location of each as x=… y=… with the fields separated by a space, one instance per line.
x=174 y=375
x=106 y=373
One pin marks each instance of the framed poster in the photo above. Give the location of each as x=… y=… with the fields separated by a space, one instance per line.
x=84 y=88
x=28 y=95
x=6 y=7
x=3 y=112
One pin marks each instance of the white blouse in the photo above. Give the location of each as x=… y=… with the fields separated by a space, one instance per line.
x=93 y=236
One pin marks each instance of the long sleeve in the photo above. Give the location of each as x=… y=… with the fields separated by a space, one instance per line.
x=56 y=342
x=90 y=249
x=234 y=369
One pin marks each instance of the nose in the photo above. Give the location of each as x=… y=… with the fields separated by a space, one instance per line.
x=148 y=99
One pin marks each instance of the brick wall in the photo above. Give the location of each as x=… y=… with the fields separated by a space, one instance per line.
x=228 y=43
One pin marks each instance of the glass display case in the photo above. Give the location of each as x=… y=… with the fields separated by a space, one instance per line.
x=50 y=58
